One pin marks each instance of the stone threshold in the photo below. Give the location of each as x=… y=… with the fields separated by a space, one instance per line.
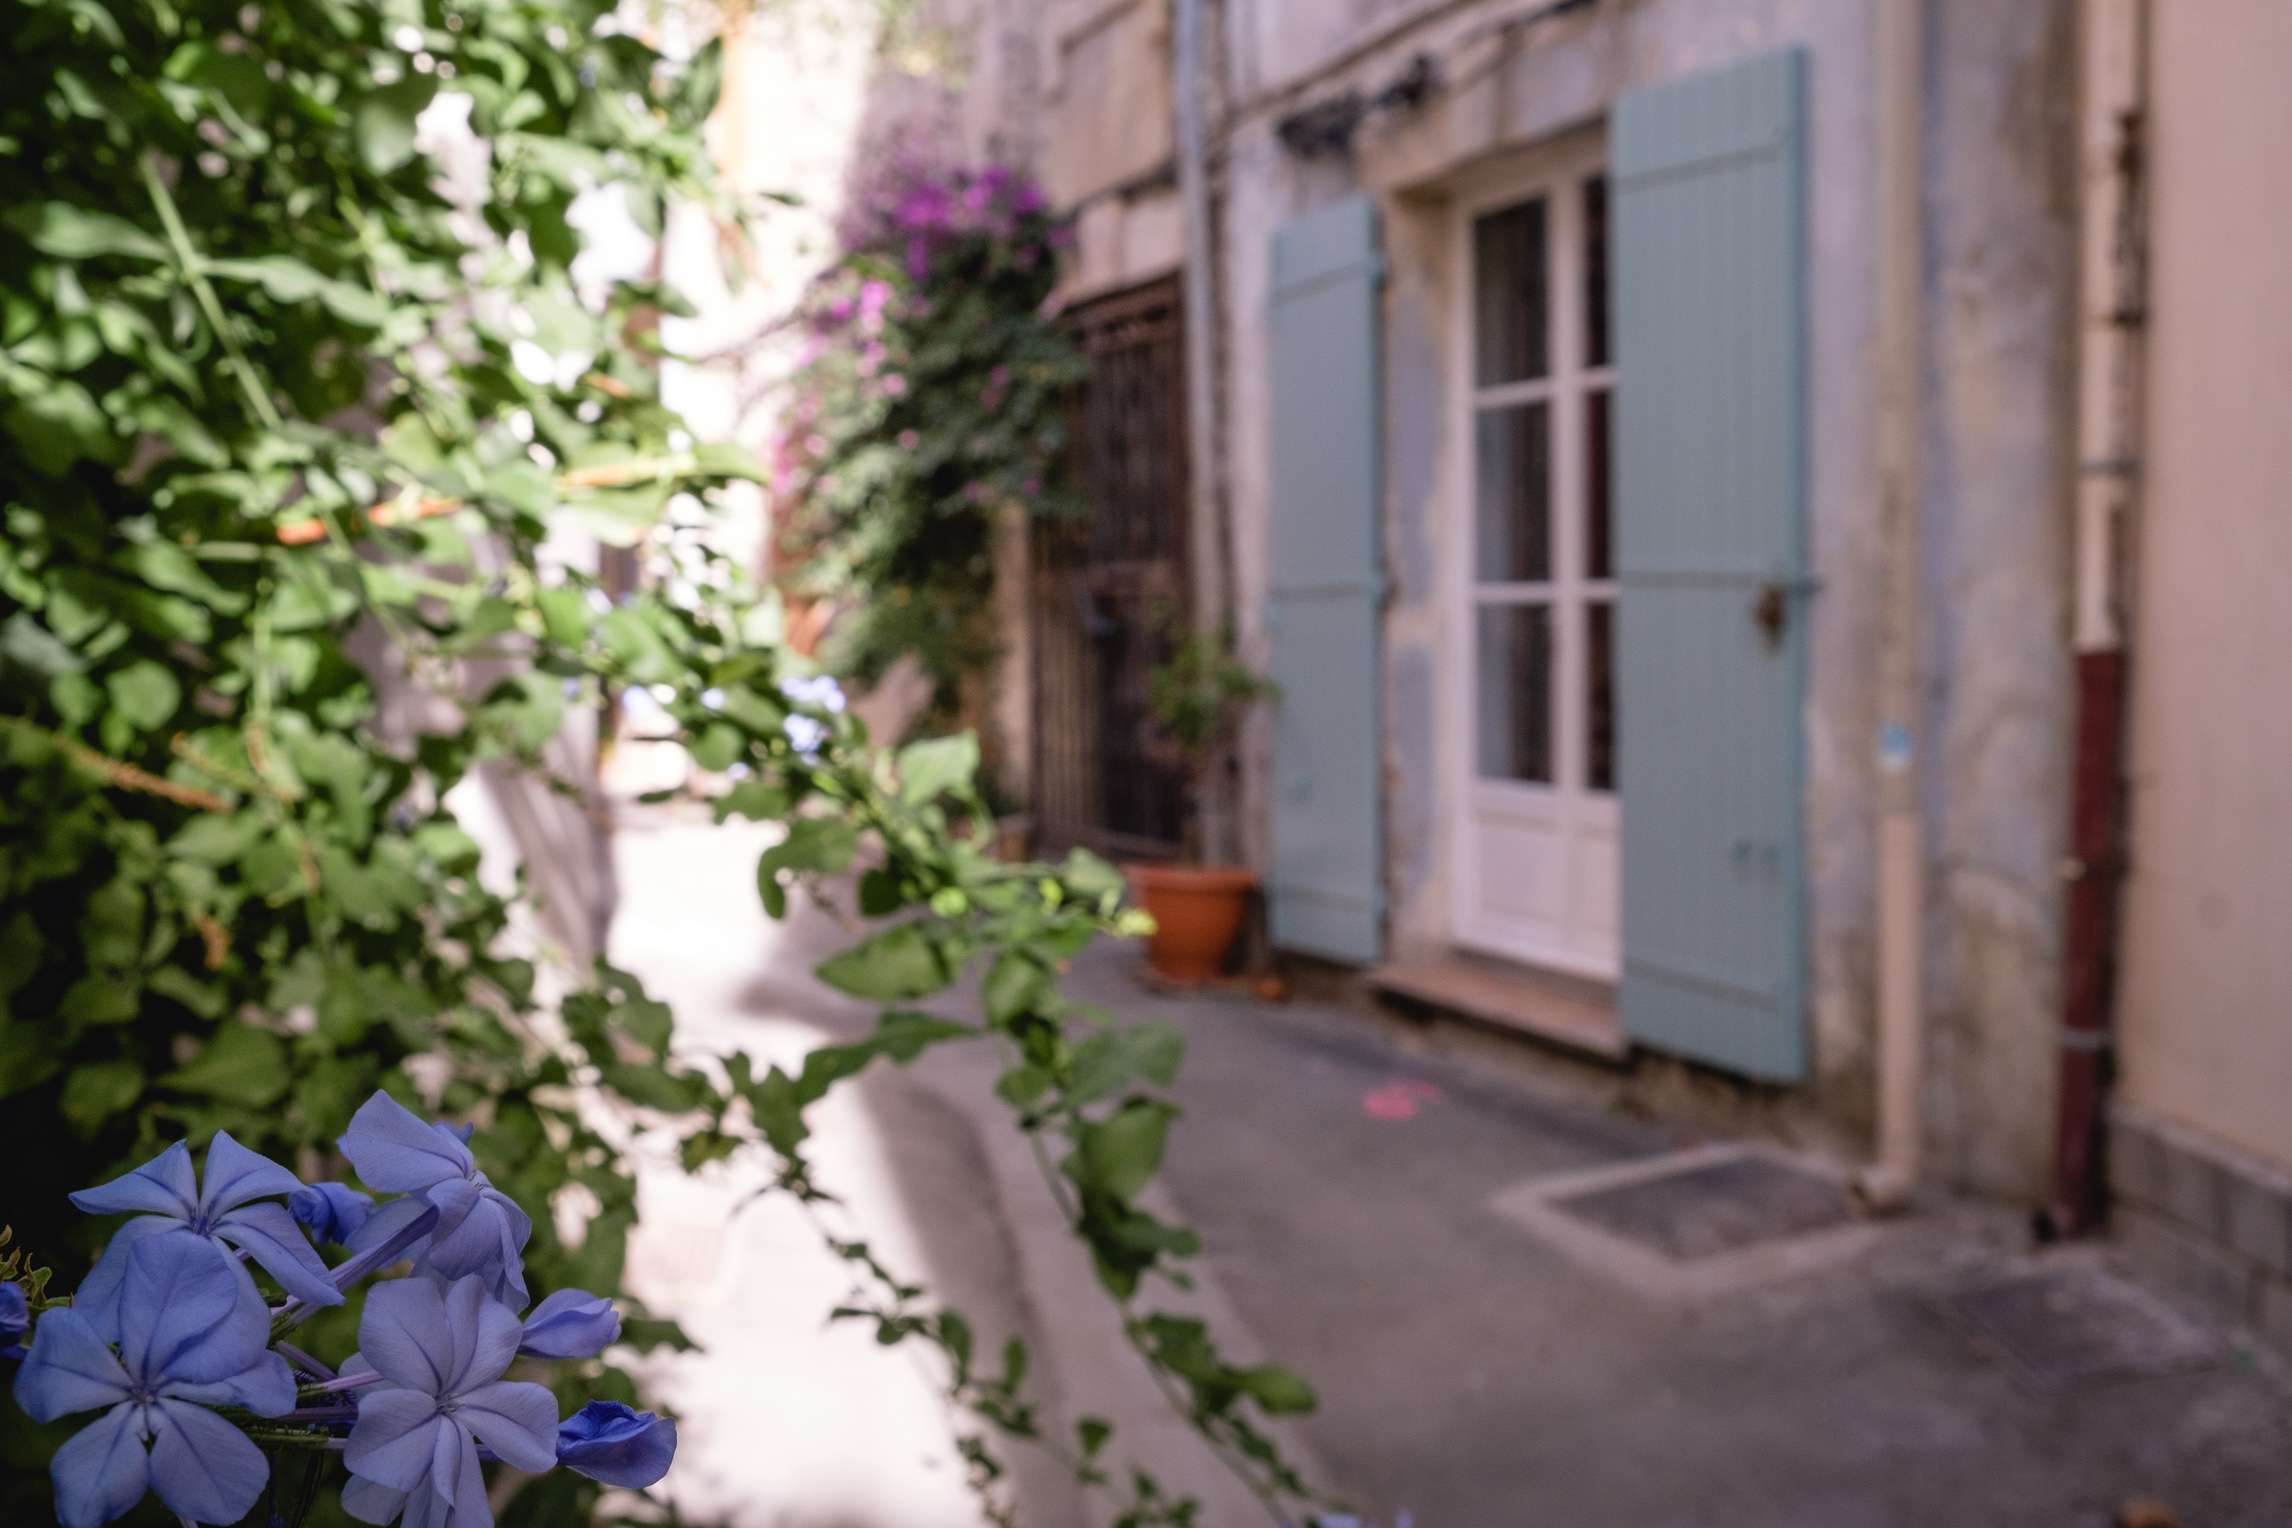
x=1571 y=1013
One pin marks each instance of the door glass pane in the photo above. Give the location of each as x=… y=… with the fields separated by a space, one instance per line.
x=1511 y=327
x=1600 y=696
x=1514 y=684
x=1596 y=271
x=1512 y=511
x=1598 y=525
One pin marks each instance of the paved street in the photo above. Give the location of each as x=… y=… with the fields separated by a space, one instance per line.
x=1351 y=1179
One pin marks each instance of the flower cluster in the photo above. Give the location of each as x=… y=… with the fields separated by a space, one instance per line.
x=172 y=1344
x=916 y=211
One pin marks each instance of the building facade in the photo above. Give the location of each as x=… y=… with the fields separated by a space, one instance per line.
x=1647 y=451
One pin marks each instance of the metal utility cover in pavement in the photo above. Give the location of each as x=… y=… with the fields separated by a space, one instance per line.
x=1721 y=1206
x=2075 y=1323
x=1697 y=1222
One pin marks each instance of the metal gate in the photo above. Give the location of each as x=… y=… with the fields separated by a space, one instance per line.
x=1109 y=584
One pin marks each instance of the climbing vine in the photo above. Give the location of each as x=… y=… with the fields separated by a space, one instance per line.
x=300 y=374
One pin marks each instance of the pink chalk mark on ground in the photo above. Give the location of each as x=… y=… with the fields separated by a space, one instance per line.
x=1399 y=1099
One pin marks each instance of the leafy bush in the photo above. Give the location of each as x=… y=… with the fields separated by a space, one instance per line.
x=295 y=379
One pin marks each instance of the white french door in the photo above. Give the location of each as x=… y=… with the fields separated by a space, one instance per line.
x=1532 y=814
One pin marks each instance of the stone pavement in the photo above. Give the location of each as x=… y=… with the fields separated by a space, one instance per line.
x=1479 y=1266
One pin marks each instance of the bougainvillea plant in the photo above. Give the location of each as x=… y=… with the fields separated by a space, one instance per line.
x=933 y=400
x=186 y=1388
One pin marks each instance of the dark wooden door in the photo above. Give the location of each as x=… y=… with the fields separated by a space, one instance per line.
x=1110 y=585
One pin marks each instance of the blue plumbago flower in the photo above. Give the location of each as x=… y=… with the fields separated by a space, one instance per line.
x=192 y=1334
x=807 y=733
x=441 y=1352
x=480 y=1230
x=222 y=1210
x=331 y=1212
x=572 y=1323
x=608 y=1441
x=15 y=1320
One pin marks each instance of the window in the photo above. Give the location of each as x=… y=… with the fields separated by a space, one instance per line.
x=1543 y=575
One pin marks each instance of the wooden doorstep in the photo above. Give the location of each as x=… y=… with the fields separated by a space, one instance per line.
x=1574 y=1014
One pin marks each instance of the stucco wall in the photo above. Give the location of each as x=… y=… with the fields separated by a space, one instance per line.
x=2203 y=1006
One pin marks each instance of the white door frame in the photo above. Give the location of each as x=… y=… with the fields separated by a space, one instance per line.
x=1550 y=843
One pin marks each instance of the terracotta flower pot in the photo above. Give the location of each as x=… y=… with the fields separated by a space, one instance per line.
x=1198 y=912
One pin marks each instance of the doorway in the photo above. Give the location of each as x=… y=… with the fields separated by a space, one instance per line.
x=1532 y=814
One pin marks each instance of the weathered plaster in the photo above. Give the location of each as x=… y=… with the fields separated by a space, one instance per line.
x=2000 y=292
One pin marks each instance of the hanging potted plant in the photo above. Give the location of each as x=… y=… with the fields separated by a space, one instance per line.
x=1198 y=697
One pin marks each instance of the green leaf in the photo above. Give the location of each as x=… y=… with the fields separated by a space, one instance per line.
x=931 y=768
x=901 y=962
x=59 y=425
x=82 y=233
x=94 y=1092
x=1118 y=1155
x=1016 y=985
x=821 y=844
x=291 y=281
x=901 y=1035
x=1108 y=1062
x=382 y=124
x=656 y=1087
x=25 y=641
x=144 y=692
x=1088 y=876
x=718 y=747
x=725 y=460
x=216 y=838
x=240 y=1065
x=879 y=893
x=1277 y=1390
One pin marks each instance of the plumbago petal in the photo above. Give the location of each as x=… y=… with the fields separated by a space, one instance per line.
x=265 y=1388
x=234 y=1176
x=616 y=1444
x=516 y=1420
x=390 y=1220
x=403 y=1333
x=202 y=1467
x=457 y=1482
x=165 y=1185
x=102 y=1470
x=486 y=1237
x=486 y=1333
x=397 y=1152
x=70 y=1368
x=571 y=1323
x=97 y=1298
x=268 y=1234
x=394 y=1437
x=188 y=1311
x=370 y=1501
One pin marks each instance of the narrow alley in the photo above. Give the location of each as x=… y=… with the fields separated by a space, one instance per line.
x=1356 y=1186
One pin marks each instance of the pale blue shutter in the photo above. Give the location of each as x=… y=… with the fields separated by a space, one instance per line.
x=1325 y=895
x=1710 y=493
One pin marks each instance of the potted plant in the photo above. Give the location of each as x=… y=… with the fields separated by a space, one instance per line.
x=1198 y=697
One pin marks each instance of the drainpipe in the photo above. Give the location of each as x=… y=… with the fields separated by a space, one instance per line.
x=2111 y=299
x=1206 y=539
x=1887 y=1184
